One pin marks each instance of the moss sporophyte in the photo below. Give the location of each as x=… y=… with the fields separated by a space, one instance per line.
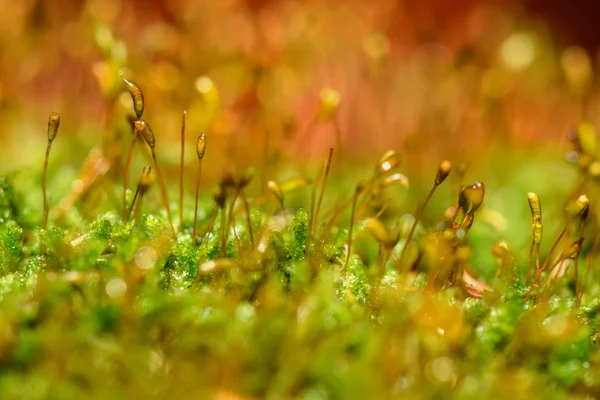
x=294 y=286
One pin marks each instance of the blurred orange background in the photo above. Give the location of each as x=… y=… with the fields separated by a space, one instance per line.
x=432 y=79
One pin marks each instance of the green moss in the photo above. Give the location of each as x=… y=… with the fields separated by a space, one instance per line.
x=300 y=232
x=496 y=331
x=11 y=237
x=277 y=324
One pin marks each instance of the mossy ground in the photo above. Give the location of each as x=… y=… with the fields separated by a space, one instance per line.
x=97 y=307
x=108 y=308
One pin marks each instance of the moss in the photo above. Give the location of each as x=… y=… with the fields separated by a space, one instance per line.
x=99 y=305
x=300 y=232
x=92 y=306
x=11 y=237
x=8 y=200
x=102 y=229
x=282 y=328
x=357 y=280
x=496 y=331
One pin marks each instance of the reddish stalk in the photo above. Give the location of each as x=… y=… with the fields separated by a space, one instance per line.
x=383 y=208
x=196 y=199
x=231 y=222
x=350 y=233
x=138 y=212
x=536 y=282
x=577 y=287
x=163 y=190
x=223 y=229
x=126 y=178
x=248 y=221
x=133 y=203
x=143 y=186
x=537 y=257
x=181 y=171
x=313 y=199
x=529 y=258
x=367 y=191
x=552 y=249
x=323 y=186
x=337 y=212
x=200 y=150
x=135 y=196
x=45 y=206
x=211 y=222
x=53 y=124
x=414 y=226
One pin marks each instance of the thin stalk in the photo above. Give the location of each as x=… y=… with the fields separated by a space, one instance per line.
x=350 y=234
x=211 y=222
x=223 y=230
x=265 y=225
x=577 y=287
x=163 y=190
x=231 y=220
x=238 y=243
x=248 y=221
x=53 y=124
x=138 y=210
x=536 y=282
x=181 y=171
x=137 y=191
x=537 y=257
x=323 y=186
x=386 y=257
x=126 y=178
x=546 y=285
x=313 y=199
x=431 y=282
x=383 y=208
x=367 y=191
x=142 y=188
x=414 y=226
x=554 y=246
x=529 y=258
x=45 y=206
x=196 y=200
x=337 y=212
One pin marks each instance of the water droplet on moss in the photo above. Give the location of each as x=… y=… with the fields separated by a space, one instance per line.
x=116 y=288
x=145 y=257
